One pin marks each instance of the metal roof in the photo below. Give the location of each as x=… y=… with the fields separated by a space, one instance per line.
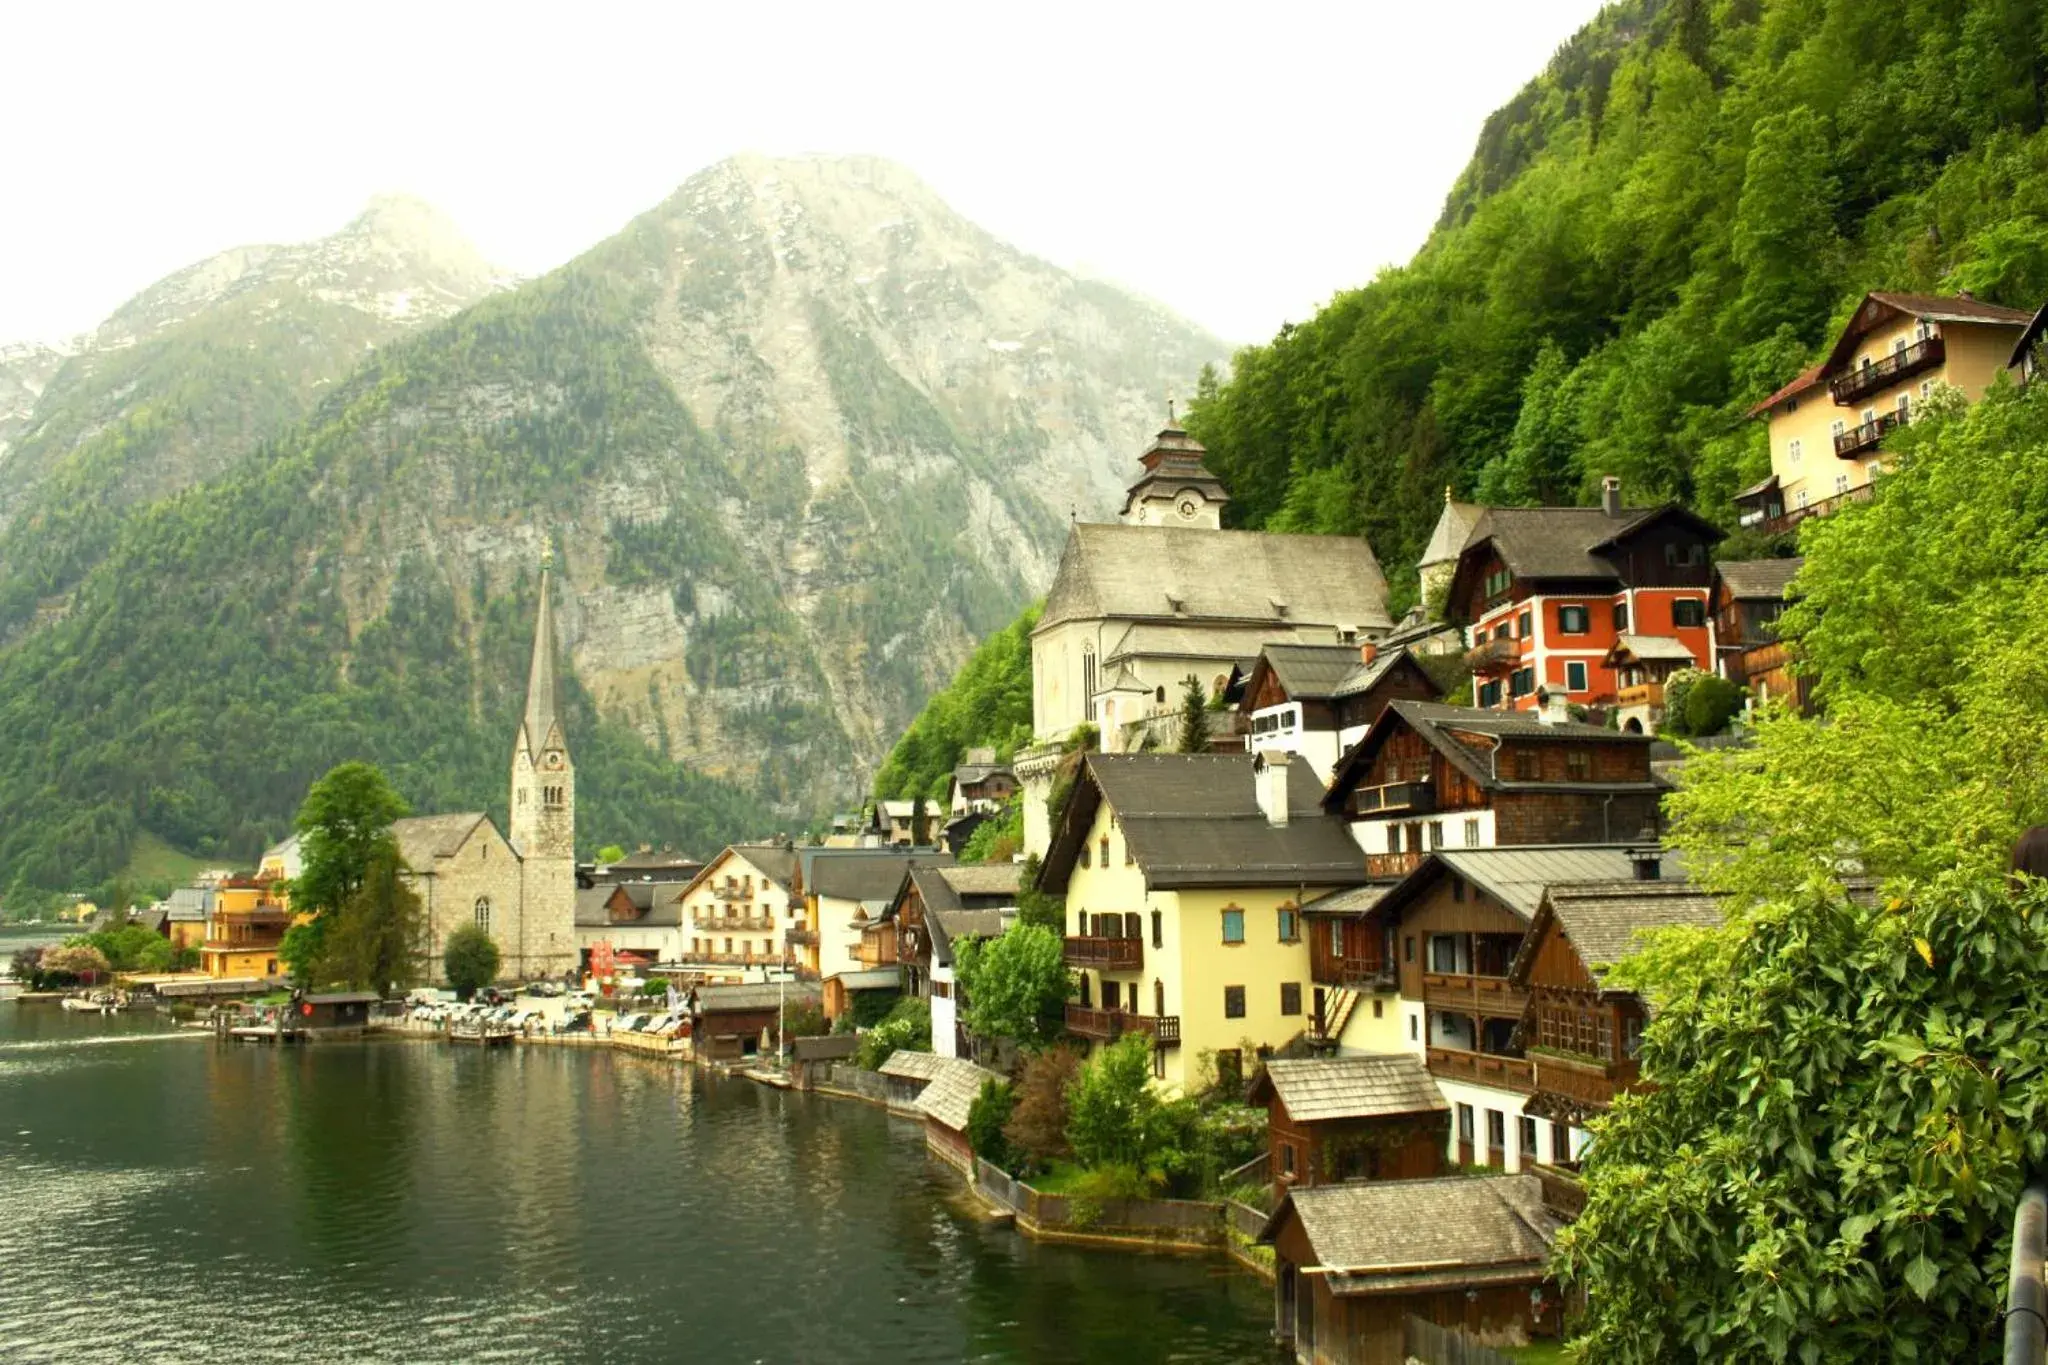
x=1518 y=877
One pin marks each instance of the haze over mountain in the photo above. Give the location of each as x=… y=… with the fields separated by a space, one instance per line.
x=801 y=434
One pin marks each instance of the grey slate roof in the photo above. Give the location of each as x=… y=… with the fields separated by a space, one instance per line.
x=1755 y=580
x=774 y=861
x=911 y=1066
x=949 y=927
x=1245 y=576
x=1604 y=920
x=1453 y=531
x=423 y=838
x=1381 y=1235
x=189 y=904
x=1194 y=820
x=1355 y=900
x=732 y=999
x=867 y=874
x=1318 y=1088
x=1439 y=725
x=953 y=1090
x=1174 y=461
x=970 y=880
x=868 y=978
x=1519 y=877
x=590 y=906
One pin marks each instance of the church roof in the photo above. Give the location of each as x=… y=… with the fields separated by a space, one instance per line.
x=423 y=838
x=1177 y=574
x=540 y=679
x=1172 y=462
x=1453 y=529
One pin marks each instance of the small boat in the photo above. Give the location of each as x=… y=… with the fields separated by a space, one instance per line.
x=99 y=1002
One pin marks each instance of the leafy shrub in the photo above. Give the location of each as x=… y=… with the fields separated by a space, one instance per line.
x=470 y=959
x=908 y=1028
x=985 y=1124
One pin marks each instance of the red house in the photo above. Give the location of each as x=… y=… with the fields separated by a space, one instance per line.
x=1549 y=591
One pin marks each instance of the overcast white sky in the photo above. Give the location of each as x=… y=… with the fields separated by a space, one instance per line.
x=1239 y=162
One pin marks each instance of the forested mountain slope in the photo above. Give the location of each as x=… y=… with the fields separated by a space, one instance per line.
x=1656 y=232
x=800 y=435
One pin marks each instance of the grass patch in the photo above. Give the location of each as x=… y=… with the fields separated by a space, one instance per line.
x=1539 y=1353
x=151 y=860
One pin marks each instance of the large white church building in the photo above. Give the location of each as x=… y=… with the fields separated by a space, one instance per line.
x=520 y=889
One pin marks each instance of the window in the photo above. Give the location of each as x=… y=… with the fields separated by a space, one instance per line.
x=1088 y=681
x=1620 y=616
x=1287 y=1161
x=1573 y=620
x=1926 y=389
x=1525 y=625
x=1158 y=997
x=1528 y=765
x=1112 y=993
x=1560 y=1144
x=1791 y=405
x=1158 y=930
x=1503 y=631
x=1801 y=500
x=1458 y=890
x=1290 y=926
x=1578 y=765
x=1085 y=854
x=1336 y=938
x=1496 y=1130
x=1472 y=833
x=1838 y=428
x=1793 y=451
x=1523 y=682
x=1497 y=582
x=1841 y=483
x=1465 y=1123
x=1489 y=694
x=1436 y=834
x=1688 y=611
x=1869 y=416
x=1290 y=997
x=728 y=949
x=1159 y=695
x=1905 y=406
x=1575 y=675
x=1233 y=1004
x=483 y=913
x=1105 y=850
x=1443 y=953
x=1233 y=926
x=1409 y=951
x=1414 y=1029
x=1379 y=1010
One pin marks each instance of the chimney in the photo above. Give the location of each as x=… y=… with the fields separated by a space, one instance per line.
x=1269 y=782
x=1552 y=708
x=1368 y=651
x=1610 y=495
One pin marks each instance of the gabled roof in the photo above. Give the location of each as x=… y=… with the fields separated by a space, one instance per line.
x=1252 y=577
x=423 y=838
x=1879 y=305
x=1756 y=580
x=776 y=862
x=948 y=927
x=1440 y=725
x=1519 y=877
x=1194 y=820
x=1327 y=672
x=1570 y=543
x=868 y=978
x=1317 y=1088
x=1453 y=531
x=2029 y=336
x=1801 y=382
x=954 y=1088
x=868 y=874
x=656 y=860
x=1380 y=1236
x=1354 y=900
x=1603 y=921
x=733 y=999
x=591 y=906
x=912 y=1066
x=1649 y=649
x=973 y=881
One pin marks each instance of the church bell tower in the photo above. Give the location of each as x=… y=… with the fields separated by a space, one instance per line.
x=543 y=810
x=1176 y=488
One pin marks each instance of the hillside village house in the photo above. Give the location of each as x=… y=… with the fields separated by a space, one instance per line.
x=1184 y=876
x=1748 y=597
x=1138 y=607
x=1428 y=776
x=1828 y=426
x=247 y=924
x=979 y=784
x=1317 y=700
x=520 y=888
x=738 y=913
x=643 y=919
x=936 y=909
x=1551 y=590
x=846 y=891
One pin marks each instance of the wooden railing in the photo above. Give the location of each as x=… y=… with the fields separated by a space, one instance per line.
x=1352 y=971
x=1394 y=796
x=741 y=925
x=1562 y=1192
x=1883 y=373
x=738 y=891
x=1388 y=867
x=1495 y=656
x=1582 y=1079
x=1114 y=1024
x=1642 y=694
x=1462 y=991
x=1483 y=1068
x=1105 y=954
x=1863 y=436
x=800 y=937
x=1792 y=516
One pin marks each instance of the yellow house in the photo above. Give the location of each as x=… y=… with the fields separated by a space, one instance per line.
x=1184 y=876
x=1829 y=425
x=244 y=930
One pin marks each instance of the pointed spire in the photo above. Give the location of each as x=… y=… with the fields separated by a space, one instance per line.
x=540 y=681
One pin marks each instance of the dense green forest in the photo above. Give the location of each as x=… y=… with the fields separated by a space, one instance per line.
x=1657 y=231
x=988 y=704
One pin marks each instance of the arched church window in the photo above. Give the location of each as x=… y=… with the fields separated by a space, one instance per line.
x=483 y=913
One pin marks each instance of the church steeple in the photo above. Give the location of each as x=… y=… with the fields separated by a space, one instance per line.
x=543 y=821
x=540 y=678
x=1176 y=488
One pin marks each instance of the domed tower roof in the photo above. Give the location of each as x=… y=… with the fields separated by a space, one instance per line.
x=1173 y=463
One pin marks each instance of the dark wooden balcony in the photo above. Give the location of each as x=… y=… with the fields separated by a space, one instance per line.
x=1391 y=867
x=1584 y=1082
x=800 y=938
x=1494 y=657
x=1865 y=436
x=1563 y=1194
x=1860 y=383
x=1352 y=972
x=1110 y=1025
x=1483 y=1068
x=1464 y=993
x=1407 y=797
x=1105 y=954
x=1792 y=516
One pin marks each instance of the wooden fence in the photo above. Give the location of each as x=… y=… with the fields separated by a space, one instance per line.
x=1179 y=1222
x=1434 y=1345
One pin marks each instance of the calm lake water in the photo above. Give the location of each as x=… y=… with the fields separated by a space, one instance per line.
x=167 y=1198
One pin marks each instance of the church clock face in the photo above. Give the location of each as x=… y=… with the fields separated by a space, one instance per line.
x=554 y=761
x=1188 y=505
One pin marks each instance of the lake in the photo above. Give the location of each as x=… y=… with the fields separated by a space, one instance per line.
x=165 y=1197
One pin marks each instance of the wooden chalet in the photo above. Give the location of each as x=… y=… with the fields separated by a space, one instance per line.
x=1353 y=1261
x=729 y=1023
x=905 y=1074
x=1331 y=1119
x=1317 y=700
x=1747 y=599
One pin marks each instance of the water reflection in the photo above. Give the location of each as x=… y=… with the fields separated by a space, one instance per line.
x=413 y=1201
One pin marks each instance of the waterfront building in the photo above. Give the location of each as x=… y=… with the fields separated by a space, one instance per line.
x=905 y=1074
x=1352 y=1262
x=741 y=915
x=1184 y=877
x=645 y=918
x=1829 y=425
x=1318 y=700
x=1331 y=1119
x=845 y=891
x=187 y=915
x=519 y=887
x=1549 y=591
x=1748 y=597
x=937 y=908
x=945 y=1103
x=246 y=925
x=1138 y=606
x=732 y=1023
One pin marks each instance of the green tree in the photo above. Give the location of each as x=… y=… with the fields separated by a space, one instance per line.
x=1015 y=985
x=1784 y=230
x=1037 y=1127
x=998 y=838
x=610 y=853
x=374 y=943
x=1541 y=463
x=1191 y=736
x=1036 y=905
x=1114 y=1116
x=906 y=1028
x=470 y=960
x=344 y=826
x=986 y=1118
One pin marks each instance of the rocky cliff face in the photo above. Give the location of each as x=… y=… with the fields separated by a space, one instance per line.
x=800 y=435
x=26 y=369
